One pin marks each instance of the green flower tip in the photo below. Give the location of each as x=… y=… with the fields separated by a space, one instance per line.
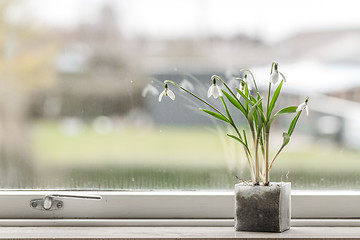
x=213 y=78
x=275 y=66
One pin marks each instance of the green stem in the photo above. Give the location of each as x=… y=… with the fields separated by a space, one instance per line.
x=257 y=168
x=268 y=102
x=272 y=161
x=267 y=177
x=247 y=155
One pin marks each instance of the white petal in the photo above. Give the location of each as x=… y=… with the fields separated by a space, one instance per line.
x=301 y=107
x=216 y=91
x=210 y=91
x=283 y=77
x=274 y=77
x=219 y=90
x=238 y=96
x=171 y=94
x=161 y=95
x=248 y=83
x=307 y=110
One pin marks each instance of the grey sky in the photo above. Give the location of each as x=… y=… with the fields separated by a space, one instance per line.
x=271 y=20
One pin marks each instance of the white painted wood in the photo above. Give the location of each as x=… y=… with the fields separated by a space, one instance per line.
x=164 y=222
x=176 y=205
x=173 y=233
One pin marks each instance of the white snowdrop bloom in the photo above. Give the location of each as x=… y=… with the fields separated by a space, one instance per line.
x=187 y=85
x=242 y=86
x=248 y=83
x=303 y=106
x=242 y=89
x=276 y=75
x=149 y=89
x=167 y=92
x=214 y=90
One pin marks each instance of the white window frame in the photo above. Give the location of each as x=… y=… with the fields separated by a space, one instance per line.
x=169 y=208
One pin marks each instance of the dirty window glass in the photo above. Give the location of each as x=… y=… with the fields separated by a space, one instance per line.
x=80 y=82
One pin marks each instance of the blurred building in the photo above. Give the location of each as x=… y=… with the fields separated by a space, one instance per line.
x=101 y=72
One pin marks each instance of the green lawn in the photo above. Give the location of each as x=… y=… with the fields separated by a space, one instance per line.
x=177 y=157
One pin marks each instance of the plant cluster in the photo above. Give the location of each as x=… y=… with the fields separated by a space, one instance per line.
x=258 y=114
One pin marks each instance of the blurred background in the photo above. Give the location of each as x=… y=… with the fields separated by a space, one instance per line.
x=79 y=85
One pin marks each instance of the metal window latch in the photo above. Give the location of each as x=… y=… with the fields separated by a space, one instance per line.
x=49 y=203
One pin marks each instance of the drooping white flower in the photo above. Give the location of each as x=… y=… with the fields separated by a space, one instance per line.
x=242 y=86
x=149 y=89
x=242 y=89
x=276 y=75
x=303 y=106
x=187 y=85
x=214 y=90
x=167 y=92
x=247 y=81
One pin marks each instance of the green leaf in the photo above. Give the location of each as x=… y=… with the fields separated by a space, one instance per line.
x=245 y=97
x=286 y=110
x=216 y=115
x=286 y=139
x=274 y=98
x=226 y=109
x=235 y=102
x=293 y=124
x=245 y=138
x=242 y=142
x=258 y=98
x=247 y=93
x=290 y=109
x=252 y=110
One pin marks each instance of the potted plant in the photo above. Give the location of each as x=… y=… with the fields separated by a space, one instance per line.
x=260 y=205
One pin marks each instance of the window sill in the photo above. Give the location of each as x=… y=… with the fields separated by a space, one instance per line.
x=174 y=233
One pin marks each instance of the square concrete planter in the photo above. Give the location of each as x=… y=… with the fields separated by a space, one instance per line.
x=263 y=208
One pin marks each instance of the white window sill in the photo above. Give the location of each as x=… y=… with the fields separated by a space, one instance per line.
x=173 y=233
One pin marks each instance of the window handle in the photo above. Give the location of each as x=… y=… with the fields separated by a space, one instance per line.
x=49 y=203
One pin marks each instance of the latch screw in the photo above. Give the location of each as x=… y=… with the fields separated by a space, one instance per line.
x=59 y=205
x=34 y=204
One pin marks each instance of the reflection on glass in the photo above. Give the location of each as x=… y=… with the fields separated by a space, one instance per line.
x=79 y=102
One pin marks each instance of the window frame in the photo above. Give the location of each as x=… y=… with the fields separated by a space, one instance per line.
x=169 y=208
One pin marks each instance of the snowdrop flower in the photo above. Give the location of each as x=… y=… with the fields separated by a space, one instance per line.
x=187 y=85
x=167 y=92
x=214 y=90
x=275 y=74
x=242 y=86
x=303 y=106
x=242 y=89
x=247 y=81
x=149 y=89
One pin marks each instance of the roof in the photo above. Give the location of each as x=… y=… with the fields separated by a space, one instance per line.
x=313 y=77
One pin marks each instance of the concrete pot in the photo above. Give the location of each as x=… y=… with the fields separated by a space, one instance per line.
x=263 y=208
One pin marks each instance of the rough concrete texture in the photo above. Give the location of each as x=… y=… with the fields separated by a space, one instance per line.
x=263 y=208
